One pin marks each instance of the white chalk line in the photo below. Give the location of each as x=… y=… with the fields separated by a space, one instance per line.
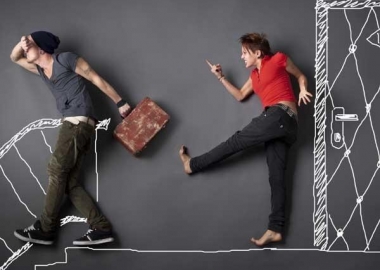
x=30 y=169
x=221 y=251
x=351 y=53
x=70 y=219
x=96 y=166
x=320 y=218
x=16 y=255
x=48 y=145
x=373 y=233
x=365 y=23
x=371 y=124
x=362 y=222
x=165 y=251
x=348 y=4
x=14 y=190
x=101 y=125
x=322 y=53
x=5 y=243
x=39 y=124
x=196 y=251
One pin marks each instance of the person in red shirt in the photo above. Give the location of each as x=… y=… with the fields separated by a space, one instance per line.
x=276 y=126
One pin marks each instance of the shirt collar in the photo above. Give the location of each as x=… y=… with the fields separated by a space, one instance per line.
x=265 y=59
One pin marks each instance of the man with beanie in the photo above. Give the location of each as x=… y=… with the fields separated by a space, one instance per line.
x=65 y=74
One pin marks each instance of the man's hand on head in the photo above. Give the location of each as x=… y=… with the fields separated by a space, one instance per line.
x=25 y=43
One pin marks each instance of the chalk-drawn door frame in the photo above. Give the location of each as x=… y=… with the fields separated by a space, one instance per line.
x=322 y=129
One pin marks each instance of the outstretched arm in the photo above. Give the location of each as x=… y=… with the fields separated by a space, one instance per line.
x=84 y=70
x=302 y=81
x=17 y=55
x=238 y=94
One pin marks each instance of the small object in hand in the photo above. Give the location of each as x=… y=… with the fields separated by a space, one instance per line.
x=141 y=125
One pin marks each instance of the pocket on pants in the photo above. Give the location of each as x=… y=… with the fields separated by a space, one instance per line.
x=290 y=127
x=84 y=137
x=63 y=157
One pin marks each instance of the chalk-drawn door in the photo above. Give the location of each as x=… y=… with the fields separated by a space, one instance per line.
x=347 y=127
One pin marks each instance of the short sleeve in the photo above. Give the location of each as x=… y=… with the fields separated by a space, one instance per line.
x=281 y=59
x=68 y=60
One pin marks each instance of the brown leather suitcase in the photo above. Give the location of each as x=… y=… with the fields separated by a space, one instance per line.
x=141 y=125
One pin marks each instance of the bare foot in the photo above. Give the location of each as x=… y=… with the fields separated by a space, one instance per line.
x=268 y=237
x=185 y=159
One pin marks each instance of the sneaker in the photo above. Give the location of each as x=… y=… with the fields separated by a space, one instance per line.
x=94 y=237
x=34 y=234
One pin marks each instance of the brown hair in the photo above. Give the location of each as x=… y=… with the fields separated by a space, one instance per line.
x=255 y=41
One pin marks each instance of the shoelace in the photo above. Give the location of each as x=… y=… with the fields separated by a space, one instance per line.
x=30 y=228
x=88 y=232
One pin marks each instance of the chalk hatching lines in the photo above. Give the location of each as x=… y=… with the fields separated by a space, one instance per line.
x=324 y=91
x=16 y=255
x=39 y=124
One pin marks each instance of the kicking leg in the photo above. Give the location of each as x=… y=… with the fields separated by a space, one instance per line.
x=185 y=158
x=263 y=128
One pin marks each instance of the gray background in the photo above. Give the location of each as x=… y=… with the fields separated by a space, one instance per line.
x=158 y=49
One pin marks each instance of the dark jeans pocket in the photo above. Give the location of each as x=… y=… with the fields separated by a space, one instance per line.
x=290 y=126
x=63 y=155
x=84 y=137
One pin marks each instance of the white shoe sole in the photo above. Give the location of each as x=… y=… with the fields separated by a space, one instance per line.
x=91 y=243
x=36 y=241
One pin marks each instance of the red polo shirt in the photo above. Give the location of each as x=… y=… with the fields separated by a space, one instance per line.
x=272 y=83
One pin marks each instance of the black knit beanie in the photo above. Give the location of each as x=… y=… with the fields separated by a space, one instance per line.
x=46 y=41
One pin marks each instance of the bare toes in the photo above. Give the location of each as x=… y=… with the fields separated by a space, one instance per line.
x=182 y=150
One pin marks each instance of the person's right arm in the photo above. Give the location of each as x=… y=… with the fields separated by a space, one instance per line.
x=238 y=94
x=17 y=55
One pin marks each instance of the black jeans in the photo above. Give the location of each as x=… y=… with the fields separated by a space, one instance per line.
x=278 y=131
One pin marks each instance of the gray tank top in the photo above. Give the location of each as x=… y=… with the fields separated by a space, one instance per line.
x=68 y=88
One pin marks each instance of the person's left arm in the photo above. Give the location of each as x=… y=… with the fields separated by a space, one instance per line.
x=302 y=81
x=83 y=69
